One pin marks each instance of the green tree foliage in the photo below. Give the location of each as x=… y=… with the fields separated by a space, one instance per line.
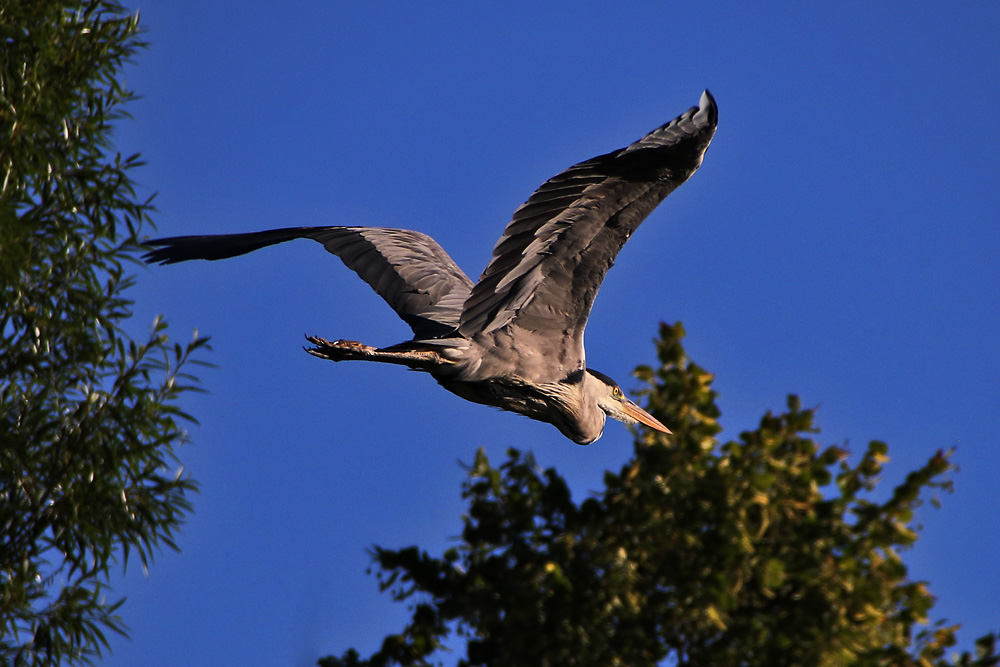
x=766 y=550
x=88 y=416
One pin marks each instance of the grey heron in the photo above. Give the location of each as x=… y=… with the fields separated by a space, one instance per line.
x=514 y=339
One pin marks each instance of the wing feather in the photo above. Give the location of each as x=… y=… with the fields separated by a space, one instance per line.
x=546 y=269
x=410 y=270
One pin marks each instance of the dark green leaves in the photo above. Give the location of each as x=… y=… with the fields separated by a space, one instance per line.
x=88 y=416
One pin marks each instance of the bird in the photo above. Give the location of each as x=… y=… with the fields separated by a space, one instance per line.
x=513 y=339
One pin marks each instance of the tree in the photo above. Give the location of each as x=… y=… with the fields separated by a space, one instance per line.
x=88 y=416
x=765 y=550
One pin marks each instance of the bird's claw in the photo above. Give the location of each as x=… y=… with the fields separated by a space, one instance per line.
x=338 y=350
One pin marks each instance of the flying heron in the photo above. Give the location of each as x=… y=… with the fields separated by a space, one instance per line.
x=514 y=339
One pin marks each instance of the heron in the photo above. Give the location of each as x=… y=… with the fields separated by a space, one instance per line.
x=514 y=338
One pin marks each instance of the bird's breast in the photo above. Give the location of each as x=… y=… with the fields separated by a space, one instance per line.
x=552 y=403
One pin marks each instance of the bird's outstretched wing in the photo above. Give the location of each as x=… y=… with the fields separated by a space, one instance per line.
x=414 y=275
x=546 y=269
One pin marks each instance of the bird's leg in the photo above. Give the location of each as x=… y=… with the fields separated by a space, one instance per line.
x=349 y=350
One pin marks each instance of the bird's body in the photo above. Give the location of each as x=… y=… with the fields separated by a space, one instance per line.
x=514 y=339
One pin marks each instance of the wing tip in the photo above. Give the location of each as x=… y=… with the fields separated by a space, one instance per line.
x=708 y=110
x=160 y=255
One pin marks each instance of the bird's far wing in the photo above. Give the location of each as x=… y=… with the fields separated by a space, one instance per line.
x=414 y=275
x=547 y=267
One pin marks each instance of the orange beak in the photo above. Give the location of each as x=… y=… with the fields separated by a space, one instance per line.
x=643 y=417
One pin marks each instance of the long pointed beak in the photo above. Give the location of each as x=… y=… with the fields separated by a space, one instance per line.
x=640 y=415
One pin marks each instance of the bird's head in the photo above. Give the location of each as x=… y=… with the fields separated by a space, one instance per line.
x=612 y=400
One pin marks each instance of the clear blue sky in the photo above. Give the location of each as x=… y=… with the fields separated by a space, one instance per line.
x=840 y=242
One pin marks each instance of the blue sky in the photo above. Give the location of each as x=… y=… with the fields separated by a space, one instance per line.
x=840 y=242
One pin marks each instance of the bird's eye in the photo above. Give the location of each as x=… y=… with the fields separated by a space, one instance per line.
x=618 y=392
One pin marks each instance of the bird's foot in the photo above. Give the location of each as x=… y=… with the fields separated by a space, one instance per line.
x=339 y=350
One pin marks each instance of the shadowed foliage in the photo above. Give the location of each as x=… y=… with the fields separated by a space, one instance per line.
x=88 y=416
x=764 y=550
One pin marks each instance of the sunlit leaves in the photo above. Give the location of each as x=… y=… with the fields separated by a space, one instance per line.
x=88 y=416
